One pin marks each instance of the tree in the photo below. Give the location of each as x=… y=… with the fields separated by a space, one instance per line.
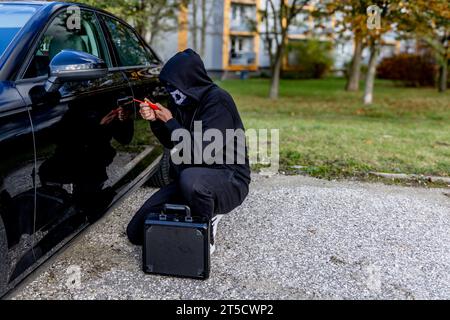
x=149 y=17
x=279 y=16
x=351 y=24
x=371 y=71
x=429 y=20
x=353 y=19
x=194 y=29
x=426 y=18
x=389 y=14
x=355 y=66
x=443 y=60
x=201 y=25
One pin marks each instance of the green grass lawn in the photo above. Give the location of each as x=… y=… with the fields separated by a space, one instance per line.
x=331 y=133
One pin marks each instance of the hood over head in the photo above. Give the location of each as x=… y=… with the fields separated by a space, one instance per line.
x=186 y=72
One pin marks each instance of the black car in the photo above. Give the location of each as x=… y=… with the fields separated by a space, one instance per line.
x=71 y=143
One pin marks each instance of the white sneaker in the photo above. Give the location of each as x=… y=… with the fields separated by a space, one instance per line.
x=214 y=224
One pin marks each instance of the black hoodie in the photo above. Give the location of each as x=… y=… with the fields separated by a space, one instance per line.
x=211 y=105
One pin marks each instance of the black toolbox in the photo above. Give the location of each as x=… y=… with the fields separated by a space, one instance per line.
x=177 y=244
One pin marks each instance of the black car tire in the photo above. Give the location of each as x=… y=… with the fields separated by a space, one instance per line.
x=3 y=258
x=161 y=176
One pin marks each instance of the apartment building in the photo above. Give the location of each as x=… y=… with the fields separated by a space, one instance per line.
x=234 y=36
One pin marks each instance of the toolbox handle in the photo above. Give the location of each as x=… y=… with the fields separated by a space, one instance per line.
x=176 y=209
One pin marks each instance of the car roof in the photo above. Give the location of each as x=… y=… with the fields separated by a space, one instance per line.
x=47 y=3
x=59 y=4
x=27 y=2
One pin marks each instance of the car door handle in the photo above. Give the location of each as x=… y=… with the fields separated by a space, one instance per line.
x=124 y=101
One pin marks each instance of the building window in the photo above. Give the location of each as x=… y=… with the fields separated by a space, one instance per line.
x=242 y=17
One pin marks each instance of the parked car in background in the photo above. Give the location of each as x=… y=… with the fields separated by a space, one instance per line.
x=69 y=152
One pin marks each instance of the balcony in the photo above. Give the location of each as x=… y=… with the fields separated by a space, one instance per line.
x=241 y=26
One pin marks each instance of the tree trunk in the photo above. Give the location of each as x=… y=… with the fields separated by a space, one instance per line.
x=443 y=76
x=151 y=36
x=355 y=70
x=443 y=69
x=140 y=28
x=276 y=72
x=194 y=25
x=141 y=25
x=203 y=31
x=371 y=73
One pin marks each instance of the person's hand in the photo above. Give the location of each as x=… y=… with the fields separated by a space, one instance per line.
x=163 y=114
x=147 y=113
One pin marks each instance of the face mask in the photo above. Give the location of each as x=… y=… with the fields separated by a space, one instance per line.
x=178 y=97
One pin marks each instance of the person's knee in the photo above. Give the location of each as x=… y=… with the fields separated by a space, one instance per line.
x=189 y=184
x=196 y=193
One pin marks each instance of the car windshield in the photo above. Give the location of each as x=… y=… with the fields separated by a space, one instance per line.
x=12 y=19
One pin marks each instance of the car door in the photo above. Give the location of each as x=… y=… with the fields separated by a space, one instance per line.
x=78 y=132
x=16 y=180
x=141 y=67
x=136 y=59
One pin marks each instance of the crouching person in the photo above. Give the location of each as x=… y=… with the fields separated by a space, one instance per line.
x=210 y=183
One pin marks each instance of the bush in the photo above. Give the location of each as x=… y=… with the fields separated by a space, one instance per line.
x=411 y=70
x=309 y=59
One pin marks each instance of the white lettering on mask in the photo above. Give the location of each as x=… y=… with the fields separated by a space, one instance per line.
x=178 y=97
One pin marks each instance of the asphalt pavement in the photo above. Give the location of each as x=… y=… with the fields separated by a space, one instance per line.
x=294 y=237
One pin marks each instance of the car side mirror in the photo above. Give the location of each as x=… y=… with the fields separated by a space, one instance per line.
x=73 y=66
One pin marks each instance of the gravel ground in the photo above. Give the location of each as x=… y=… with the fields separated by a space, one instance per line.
x=294 y=238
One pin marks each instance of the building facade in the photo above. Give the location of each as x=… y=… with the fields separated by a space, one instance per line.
x=234 y=36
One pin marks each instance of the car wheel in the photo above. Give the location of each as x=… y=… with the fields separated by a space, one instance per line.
x=3 y=258
x=161 y=177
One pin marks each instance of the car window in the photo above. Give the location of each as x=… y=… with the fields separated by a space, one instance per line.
x=12 y=19
x=129 y=47
x=61 y=35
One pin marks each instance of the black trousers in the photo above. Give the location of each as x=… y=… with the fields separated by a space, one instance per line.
x=206 y=191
